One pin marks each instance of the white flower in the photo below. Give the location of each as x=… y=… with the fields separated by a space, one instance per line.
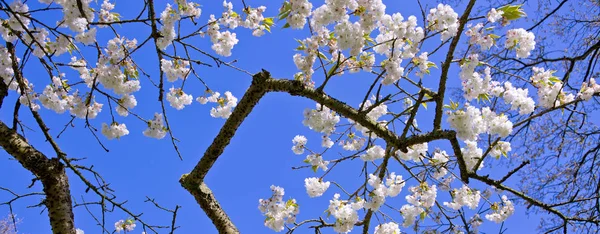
x=443 y=19
x=225 y=107
x=326 y=142
x=422 y=195
x=472 y=154
x=315 y=187
x=395 y=183
x=501 y=148
x=126 y=103
x=518 y=98
x=588 y=89
x=115 y=130
x=373 y=153
x=175 y=69
x=156 y=128
x=493 y=15
x=499 y=214
x=87 y=38
x=550 y=93
x=439 y=160
x=387 y=228
x=468 y=123
x=345 y=213
x=521 y=40
x=410 y=213
x=299 y=143
x=178 y=99
x=321 y=119
x=126 y=225
x=414 y=153
x=316 y=161
x=277 y=211
x=464 y=197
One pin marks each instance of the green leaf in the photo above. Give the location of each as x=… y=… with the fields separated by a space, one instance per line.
x=423 y=215
x=322 y=56
x=483 y=96
x=424 y=104
x=306 y=161
x=431 y=64
x=494 y=36
x=314 y=168
x=332 y=70
x=286 y=25
x=512 y=12
x=268 y=21
x=368 y=39
x=555 y=79
x=301 y=46
x=285 y=10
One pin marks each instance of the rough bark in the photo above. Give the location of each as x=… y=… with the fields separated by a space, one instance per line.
x=51 y=173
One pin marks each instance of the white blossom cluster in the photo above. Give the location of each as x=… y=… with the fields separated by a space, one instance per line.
x=439 y=160
x=6 y=71
x=501 y=148
x=321 y=119
x=550 y=93
x=277 y=211
x=156 y=127
x=387 y=228
x=472 y=154
x=499 y=214
x=373 y=153
x=115 y=130
x=478 y=37
x=300 y=10
x=315 y=187
x=391 y=188
x=17 y=22
x=353 y=143
x=520 y=40
x=126 y=103
x=471 y=122
x=176 y=69
x=464 y=196
x=105 y=16
x=223 y=42
x=494 y=15
x=316 y=161
x=225 y=104
x=518 y=99
x=373 y=115
x=125 y=225
x=299 y=144
x=422 y=197
x=178 y=99
x=55 y=97
x=443 y=19
x=588 y=89
x=345 y=213
x=170 y=16
x=108 y=71
x=474 y=85
x=414 y=153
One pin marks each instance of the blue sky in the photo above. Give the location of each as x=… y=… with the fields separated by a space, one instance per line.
x=258 y=156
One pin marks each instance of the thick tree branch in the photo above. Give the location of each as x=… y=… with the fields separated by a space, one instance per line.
x=52 y=174
x=261 y=84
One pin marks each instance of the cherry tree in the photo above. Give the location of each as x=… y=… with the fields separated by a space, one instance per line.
x=520 y=132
